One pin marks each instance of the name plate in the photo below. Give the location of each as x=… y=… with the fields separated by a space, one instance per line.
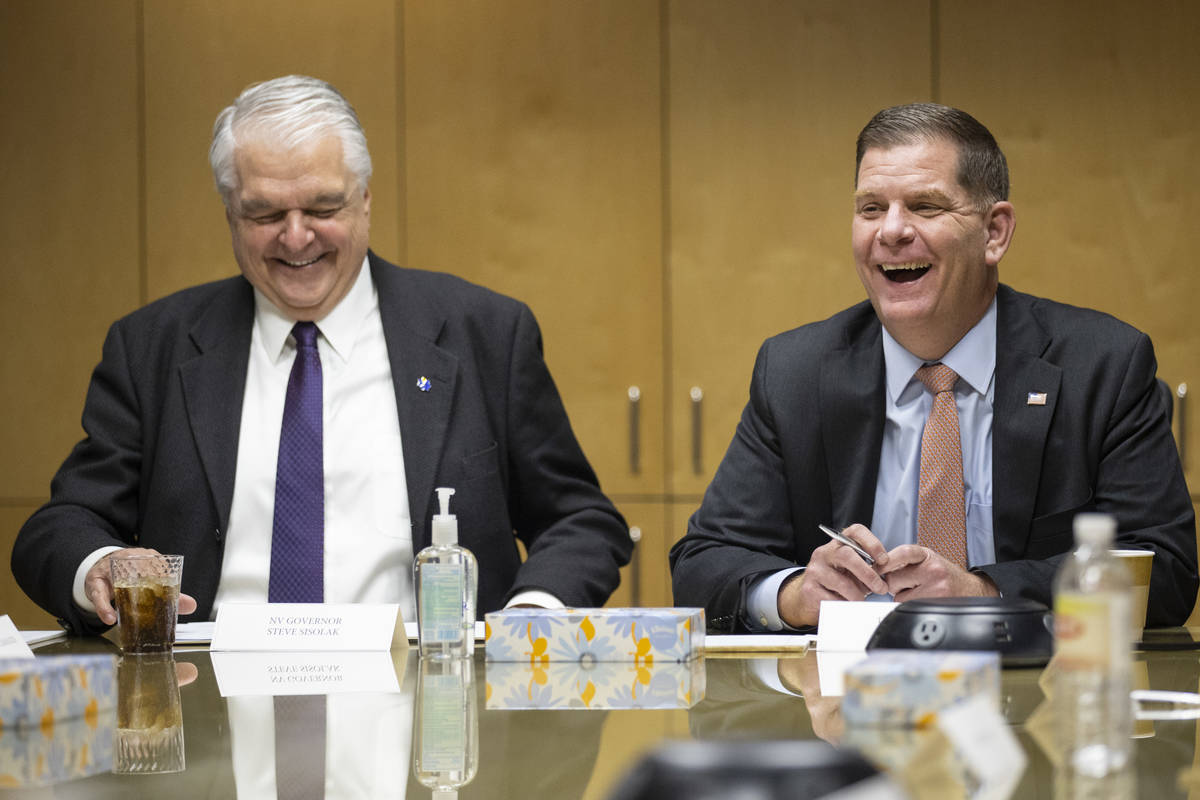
x=261 y=673
x=308 y=627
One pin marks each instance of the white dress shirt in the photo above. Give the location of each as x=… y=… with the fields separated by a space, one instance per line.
x=368 y=530
x=368 y=533
x=894 y=521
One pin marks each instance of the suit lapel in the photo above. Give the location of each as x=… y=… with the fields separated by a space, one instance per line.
x=425 y=379
x=852 y=412
x=214 y=383
x=1020 y=420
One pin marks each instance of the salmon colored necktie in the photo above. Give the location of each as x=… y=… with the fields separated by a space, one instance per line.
x=941 y=508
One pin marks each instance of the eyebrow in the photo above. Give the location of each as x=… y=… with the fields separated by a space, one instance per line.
x=257 y=206
x=925 y=194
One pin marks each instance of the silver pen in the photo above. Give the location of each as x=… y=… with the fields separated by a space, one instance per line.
x=838 y=536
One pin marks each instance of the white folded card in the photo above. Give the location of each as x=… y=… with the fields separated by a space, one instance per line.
x=12 y=644
x=844 y=626
x=263 y=673
x=308 y=627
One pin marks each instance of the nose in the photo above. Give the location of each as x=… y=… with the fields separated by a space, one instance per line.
x=296 y=233
x=895 y=228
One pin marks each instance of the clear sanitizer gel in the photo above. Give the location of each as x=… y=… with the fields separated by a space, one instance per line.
x=446 y=578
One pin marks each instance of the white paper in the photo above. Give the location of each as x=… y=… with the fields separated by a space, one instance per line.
x=12 y=643
x=41 y=637
x=845 y=626
x=983 y=740
x=769 y=643
x=194 y=632
x=305 y=627
x=272 y=673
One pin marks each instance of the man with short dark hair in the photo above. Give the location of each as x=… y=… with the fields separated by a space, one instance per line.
x=421 y=380
x=954 y=426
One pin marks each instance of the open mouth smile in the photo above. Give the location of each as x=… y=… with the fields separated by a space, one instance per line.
x=904 y=273
x=305 y=263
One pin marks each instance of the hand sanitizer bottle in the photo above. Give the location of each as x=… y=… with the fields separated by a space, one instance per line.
x=446 y=578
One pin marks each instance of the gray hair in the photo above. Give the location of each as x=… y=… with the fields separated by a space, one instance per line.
x=982 y=168
x=289 y=111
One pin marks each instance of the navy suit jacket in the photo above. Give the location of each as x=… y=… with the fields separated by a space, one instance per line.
x=162 y=418
x=806 y=451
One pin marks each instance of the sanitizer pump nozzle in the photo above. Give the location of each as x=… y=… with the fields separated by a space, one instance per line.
x=445 y=524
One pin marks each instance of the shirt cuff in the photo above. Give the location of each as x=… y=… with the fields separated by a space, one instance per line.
x=535 y=597
x=762 y=600
x=80 y=597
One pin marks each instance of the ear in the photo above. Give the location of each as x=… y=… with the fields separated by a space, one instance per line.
x=999 y=222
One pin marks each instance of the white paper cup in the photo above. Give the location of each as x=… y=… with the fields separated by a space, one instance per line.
x=1139 y=563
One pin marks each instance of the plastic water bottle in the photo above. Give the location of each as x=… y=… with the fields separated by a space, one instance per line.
x=1093 y=656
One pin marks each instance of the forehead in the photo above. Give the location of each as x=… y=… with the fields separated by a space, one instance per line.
x=924 y=163
x=269 y=172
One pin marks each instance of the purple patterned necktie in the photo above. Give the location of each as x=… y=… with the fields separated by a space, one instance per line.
x=298 y=542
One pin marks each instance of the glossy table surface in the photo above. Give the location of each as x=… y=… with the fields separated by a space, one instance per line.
x=584 y=753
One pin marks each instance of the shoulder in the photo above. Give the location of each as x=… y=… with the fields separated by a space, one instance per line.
x=853 y=328
x=184 y=307
x=451 y=297
x=1067 y=326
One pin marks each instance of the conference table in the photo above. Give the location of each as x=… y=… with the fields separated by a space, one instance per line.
x=581 y=752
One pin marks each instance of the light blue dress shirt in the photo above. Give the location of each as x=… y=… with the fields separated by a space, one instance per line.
x=894 y=521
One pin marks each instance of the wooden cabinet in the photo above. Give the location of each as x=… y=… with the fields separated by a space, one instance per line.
x=665 y=183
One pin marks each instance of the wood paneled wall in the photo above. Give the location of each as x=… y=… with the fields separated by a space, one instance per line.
x=665 y=182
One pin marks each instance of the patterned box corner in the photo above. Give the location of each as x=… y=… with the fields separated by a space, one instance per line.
x=600 y=686
x=904 y=688
x=70 y=749
x=41 y=692
x=595 y=635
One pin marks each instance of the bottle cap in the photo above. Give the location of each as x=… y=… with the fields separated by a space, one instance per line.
x=1097 y=530
x=445 y=524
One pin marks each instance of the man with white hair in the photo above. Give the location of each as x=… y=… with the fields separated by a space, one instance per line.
x=415 y=380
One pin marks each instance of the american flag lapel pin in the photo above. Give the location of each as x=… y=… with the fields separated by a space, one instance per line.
x=1035 y=399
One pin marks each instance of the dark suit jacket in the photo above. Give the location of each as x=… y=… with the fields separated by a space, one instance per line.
x=162 y=419
x=807 y=451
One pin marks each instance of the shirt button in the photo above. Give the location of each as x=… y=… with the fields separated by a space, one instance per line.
x=763 y=620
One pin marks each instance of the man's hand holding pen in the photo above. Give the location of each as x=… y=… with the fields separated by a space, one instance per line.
x=837 y=571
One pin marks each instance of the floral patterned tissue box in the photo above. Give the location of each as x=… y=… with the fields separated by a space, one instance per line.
x=907 y=688
x=57 y=715
x=647 y=636
x=604 y=685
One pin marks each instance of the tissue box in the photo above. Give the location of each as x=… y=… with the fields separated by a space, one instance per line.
x=907 y=688
x=646 y=636
x=608 y=685
x=57 y=715
x=40 y=692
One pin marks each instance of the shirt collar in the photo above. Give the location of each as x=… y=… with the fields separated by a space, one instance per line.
x=973 y=358
x=339 y=327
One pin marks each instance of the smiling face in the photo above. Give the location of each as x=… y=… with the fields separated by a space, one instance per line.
x=299 y=222
x=925 y=252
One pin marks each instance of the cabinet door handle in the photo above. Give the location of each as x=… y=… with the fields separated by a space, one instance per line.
x=635 y=455
x=697 y=395
x=635 y=568
x=1181 y=415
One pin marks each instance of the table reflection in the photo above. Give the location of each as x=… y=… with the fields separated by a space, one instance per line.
x=572 y=751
